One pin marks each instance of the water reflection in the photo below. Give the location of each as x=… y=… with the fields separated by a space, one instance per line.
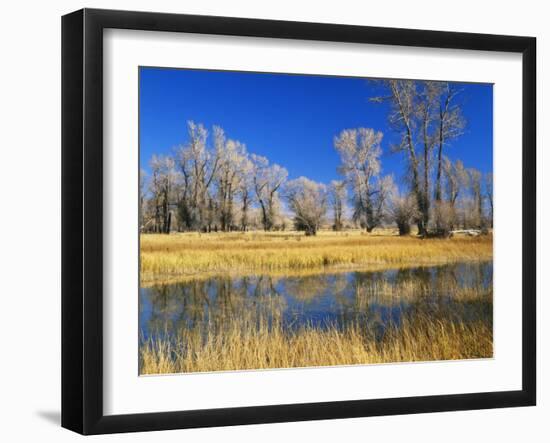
x=461 y=292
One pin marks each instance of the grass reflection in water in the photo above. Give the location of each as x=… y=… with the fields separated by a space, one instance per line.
x=256 y=322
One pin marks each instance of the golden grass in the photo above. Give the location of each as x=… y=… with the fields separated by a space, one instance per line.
x=185 y=255
x=245 y=345
x=239 y=335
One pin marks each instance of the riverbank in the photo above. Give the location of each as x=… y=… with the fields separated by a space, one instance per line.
x=181 y=256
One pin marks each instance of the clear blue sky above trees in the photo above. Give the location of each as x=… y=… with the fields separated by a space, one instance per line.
x=291 y=119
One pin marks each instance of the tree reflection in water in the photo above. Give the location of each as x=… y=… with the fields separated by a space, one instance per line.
x=461 y=292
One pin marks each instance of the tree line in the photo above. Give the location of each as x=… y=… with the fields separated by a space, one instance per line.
x=212 y=182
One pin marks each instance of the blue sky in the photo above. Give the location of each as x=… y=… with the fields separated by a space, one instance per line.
x=290 y=119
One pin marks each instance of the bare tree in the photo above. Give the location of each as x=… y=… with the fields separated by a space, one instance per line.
x=232 y=158
x=456 y=179
x=199 y=166
x=403 y=118
x=360 y=152
x=428 y=98
x=451 y=125
x=267 y=180
x=475 y=189
x=455 y=182
x=217 y=184
x=245 y=191
x=162 y=187
x=186 y=212
x=424 y=113
x=446 y=217
x=142 y=188
x=488 y=182
x=337 y=197
x=308 y=201
x=403 y=211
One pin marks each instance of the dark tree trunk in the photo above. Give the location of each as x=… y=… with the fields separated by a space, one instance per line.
x=244 y=219
x=421 y=227
x=264 y=216
x=311 y=231
x=404 y=228
x=480 y=213
x=439 y=167
x=419 y=198
x=168 y=223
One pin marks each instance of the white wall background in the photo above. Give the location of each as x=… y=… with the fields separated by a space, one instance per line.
x=30 y=96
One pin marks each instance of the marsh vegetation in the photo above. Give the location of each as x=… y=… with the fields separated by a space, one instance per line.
x=349 y=317
x=194 y=255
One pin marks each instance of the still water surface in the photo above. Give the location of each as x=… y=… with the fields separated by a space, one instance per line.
x=373 y=299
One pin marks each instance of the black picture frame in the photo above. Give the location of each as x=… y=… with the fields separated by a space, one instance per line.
x=82 y=218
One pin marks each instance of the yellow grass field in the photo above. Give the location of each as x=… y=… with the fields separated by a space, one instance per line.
x=191 y=255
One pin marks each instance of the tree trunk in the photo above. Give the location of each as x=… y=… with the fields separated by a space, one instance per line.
x=244 y=218
x=426 y=208
x=439 y=166
x=421 y=227
x=418 y=193
x=168 y=222
x=404 y=228
x=311 y=231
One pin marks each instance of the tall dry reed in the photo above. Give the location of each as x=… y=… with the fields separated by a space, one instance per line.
x=244 y=345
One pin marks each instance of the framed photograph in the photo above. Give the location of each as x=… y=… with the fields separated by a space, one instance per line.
x=269 y=221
